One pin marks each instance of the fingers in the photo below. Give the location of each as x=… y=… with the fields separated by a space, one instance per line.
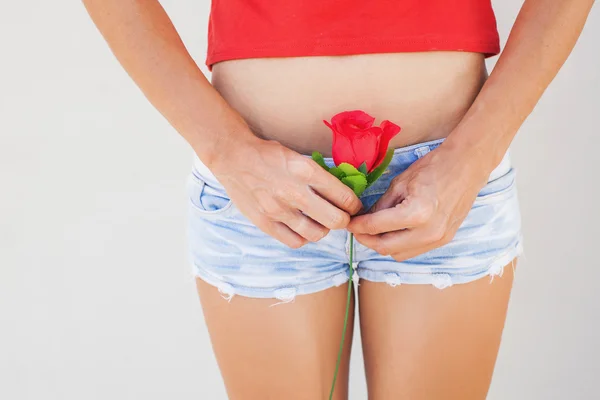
x=284 y=234
x=334 y=191
x=325 y=213
x=392 y=242
x=301 y=197
x=394 y=195
x=408 y=214
x=408 y=243
x=305 y=226
x=401 y=245
x=412 y=227
x=290 y=226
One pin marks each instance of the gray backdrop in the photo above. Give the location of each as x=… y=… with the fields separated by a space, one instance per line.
x=96 y=300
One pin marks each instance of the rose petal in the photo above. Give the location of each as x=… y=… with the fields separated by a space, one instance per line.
x=365 y=146
x=349 y=122
x=356 y=140
x=342 y=149
x=389 y=131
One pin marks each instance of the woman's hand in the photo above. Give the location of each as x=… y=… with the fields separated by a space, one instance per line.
x=286 y=195
x=424 y=206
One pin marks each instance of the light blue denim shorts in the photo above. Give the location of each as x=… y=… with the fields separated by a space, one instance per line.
x=231 y=253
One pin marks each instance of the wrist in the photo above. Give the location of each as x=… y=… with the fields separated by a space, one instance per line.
x=480 y=152
x=225 y=152
x=219 y=141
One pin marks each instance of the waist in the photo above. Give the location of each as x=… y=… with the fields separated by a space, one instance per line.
x=287 y=99
x=403 y=158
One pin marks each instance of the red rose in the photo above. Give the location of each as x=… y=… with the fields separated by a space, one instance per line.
x=356 y=140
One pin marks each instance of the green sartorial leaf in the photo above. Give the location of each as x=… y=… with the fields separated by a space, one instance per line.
x=358 y=183
x=377 y=172
x=337 y=172
x=348 y=169
x=318 y=158
x=363 y=169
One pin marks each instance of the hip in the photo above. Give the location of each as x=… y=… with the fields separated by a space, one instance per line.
x=228 y=251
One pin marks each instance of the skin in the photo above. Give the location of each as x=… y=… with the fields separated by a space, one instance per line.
x=419 y=342
x=429 y=343
x=428 y=202
x=283 y=352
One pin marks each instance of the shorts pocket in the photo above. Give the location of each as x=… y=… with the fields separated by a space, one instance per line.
x=498 y=189
x=206 y=200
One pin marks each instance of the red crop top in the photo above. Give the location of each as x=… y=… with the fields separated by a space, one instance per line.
x=292 y=28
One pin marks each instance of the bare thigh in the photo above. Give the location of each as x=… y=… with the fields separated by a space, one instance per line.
x=287 y=351
x=422 y=343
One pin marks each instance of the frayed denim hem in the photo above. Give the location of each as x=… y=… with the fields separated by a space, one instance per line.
x=287 y=294
x=442 y=280
x=284 y=293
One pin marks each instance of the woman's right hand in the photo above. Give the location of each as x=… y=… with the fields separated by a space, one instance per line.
x=285 y=194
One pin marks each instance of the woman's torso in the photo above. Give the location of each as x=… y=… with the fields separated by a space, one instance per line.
x=286 y=99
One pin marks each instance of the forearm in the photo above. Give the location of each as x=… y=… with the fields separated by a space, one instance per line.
x=143 y=39
x=542 y=38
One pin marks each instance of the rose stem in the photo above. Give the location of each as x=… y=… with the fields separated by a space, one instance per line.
x=340 y=351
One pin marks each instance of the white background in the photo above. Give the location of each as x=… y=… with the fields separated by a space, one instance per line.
x=96 y=298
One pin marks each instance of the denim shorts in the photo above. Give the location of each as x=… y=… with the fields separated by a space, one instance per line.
x=230 y=252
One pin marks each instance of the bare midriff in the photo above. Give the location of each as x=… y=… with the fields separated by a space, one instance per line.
x=286 y=99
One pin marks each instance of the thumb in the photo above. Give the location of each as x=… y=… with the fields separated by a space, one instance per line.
x=395 y=194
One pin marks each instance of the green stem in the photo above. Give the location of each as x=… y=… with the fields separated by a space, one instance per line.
x=341 y=350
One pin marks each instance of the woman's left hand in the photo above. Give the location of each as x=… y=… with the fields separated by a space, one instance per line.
x=424 y=206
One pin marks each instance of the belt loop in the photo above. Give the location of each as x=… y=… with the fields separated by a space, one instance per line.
x=421 y=151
